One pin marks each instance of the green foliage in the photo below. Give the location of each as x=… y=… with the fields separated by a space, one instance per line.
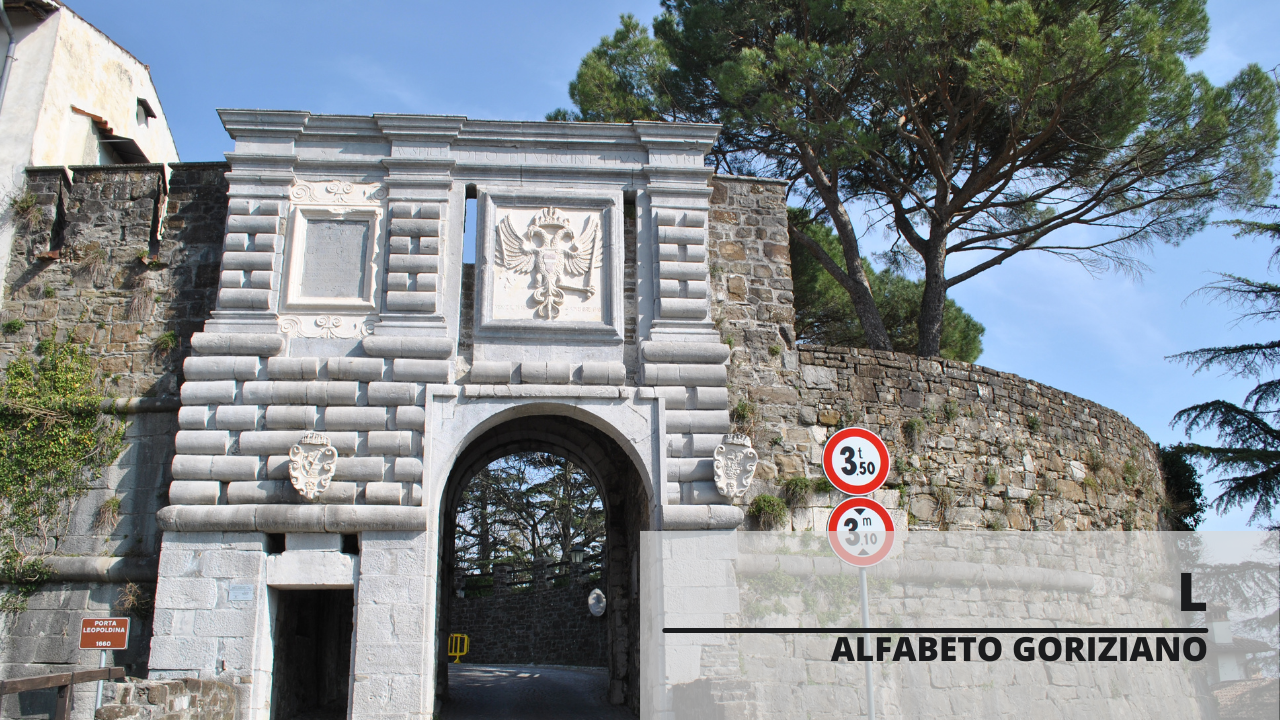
x=1129 y=516
x=23 y=575
x=108 y=514
x=1129 y=472
x=769 y=510
x=617 y=80
x=165 y=343
x=53 y=441
x=912 y=430
x=1182 y=488
x=524 y=506
x=50 y=291
x=799 y=489
x=13 y=326
x=1094 y=461
x=766 y=591
x=1033 y=423
x=26 y=211
x=775 y=350
x=950 y=411
x=54 y=437
x=743 y=412
x=1248 y=449
x=969 y=127
x=992 y=477
x=825 y=314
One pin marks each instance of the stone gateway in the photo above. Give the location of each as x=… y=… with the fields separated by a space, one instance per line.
x=340 y=374
x=327 y=395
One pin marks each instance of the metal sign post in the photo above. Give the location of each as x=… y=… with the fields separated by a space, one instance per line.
x=97 y=703
x=866 y=638
x=860 y=530
x=103 y=634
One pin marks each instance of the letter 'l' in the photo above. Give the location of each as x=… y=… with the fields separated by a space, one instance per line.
x=1187 y=605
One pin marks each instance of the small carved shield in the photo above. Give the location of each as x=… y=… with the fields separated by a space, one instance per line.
x=735 y=464
x=311 y=464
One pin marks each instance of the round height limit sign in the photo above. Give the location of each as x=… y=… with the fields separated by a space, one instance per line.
x=860 y=531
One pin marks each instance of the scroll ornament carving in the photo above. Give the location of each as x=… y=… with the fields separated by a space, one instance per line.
x=311 y=465
x=552 y=253
x=338 y=192
x=325 y=326
x=735 y=465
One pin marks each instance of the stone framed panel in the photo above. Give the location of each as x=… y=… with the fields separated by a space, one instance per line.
x=333 y=255
x=549 y=266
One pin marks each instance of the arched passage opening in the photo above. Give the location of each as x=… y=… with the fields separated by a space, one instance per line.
x=625 y=509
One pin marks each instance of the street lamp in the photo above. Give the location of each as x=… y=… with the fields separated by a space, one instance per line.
x=576 y=554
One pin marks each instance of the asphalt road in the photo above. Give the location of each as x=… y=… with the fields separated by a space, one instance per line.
x=521 y=692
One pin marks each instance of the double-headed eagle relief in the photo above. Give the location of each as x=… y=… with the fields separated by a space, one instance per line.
x=554 y=255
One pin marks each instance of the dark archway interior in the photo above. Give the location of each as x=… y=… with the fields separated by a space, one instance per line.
x=626 y=508
x=311 y=676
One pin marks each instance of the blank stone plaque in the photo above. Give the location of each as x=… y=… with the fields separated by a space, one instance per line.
x=334 y=266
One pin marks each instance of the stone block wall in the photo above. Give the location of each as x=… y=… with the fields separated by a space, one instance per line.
x=972 y=447
x=188 y=699
x=137 y=257
x=538 y=627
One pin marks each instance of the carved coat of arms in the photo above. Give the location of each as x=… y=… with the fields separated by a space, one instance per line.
x=311 y=464
x=735 y=464
x=553 y=254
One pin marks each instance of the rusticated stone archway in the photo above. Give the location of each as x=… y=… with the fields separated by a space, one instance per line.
x=627 y=513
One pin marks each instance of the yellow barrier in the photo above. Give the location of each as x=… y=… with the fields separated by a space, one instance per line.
x=459 y=644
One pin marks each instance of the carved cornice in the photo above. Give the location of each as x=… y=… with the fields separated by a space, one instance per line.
x=337 y=192
x=263 y=123
x=326 y=326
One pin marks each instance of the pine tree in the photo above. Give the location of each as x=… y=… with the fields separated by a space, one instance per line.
x=1248 y=449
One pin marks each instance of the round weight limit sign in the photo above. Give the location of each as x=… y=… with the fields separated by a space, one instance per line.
x=860 y=531
x=856 y=461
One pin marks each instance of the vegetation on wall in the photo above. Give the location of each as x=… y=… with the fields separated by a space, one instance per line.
x=54 y=441
x=28 y=216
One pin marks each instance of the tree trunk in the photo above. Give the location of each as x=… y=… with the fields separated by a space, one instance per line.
x=934 y=300
x=853 y=279
x=484 y=541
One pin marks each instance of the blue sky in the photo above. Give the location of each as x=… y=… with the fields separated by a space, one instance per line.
x=1104 y=338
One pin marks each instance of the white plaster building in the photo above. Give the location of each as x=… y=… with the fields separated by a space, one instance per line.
x=73 y=97
x=346 y=390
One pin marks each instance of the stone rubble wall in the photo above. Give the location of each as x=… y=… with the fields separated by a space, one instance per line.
x=188 y=699
x=972 y=447
x=123 y=278
x=537 y=627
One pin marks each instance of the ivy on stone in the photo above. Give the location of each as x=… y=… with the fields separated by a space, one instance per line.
x=54 y=440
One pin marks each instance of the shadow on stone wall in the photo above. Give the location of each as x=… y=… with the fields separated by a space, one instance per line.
x=535 y=627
